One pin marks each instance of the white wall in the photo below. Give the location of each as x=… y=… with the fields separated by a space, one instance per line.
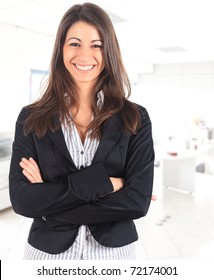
x=176 y=94
x=20 y=51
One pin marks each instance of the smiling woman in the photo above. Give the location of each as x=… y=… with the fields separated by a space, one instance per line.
x=83 y=54
x=82 y=161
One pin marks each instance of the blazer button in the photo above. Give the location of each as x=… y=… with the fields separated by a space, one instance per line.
x=82 y=152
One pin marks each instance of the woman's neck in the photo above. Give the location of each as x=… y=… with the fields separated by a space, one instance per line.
x=83 y=107
x=82 y=112
x=84 y=92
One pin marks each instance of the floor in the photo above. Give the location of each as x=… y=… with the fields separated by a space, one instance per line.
x=178 y=225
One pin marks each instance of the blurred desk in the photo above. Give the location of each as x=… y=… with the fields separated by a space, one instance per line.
x=179 y=171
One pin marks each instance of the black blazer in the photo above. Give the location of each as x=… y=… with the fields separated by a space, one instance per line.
x=70 y=197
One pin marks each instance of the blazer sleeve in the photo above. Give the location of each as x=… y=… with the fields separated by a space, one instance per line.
x=48 y=198
x=133 y=200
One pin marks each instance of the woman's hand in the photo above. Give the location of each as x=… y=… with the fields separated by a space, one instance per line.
x=31 y=170
x=154 y=197
x=117 y=183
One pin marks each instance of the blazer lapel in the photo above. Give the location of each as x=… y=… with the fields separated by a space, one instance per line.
x=58 y=139
x=112 y=131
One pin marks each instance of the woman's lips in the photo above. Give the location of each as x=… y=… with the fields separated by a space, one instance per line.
x=83 y=67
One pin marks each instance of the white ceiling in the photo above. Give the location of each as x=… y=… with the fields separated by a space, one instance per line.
x=154 y=31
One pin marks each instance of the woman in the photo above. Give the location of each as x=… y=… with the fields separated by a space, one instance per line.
x=82 y=162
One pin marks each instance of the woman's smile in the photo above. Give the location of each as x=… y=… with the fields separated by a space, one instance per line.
x=84 y=68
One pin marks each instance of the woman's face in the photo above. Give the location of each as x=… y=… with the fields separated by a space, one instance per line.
x=83 y=53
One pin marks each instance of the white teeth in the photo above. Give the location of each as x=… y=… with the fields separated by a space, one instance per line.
x=84 y=68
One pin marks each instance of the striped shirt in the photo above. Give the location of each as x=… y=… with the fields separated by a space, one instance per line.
x=85 y=246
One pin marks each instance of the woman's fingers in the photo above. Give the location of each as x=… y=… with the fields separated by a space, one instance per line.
x=34 y=163
x=28 y=176
x=154 y=197
x=28 y=167
x=117 y=183
x=31 y=170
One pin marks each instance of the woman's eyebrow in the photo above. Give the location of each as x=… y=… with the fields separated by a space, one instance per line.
x=75 y=38
x=78 y=39
x=97 y=40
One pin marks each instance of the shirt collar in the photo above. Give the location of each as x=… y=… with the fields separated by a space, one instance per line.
x=100 y=99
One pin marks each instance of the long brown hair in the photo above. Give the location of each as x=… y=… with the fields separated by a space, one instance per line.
x=113 y=80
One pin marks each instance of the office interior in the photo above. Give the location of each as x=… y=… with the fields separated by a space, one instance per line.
x=168 y=52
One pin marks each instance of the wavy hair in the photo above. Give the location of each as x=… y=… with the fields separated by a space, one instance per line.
x=113 y=80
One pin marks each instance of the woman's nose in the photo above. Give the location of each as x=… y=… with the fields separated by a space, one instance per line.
x=84 y=54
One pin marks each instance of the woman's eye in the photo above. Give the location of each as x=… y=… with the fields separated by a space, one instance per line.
x=97 y=46
x=74 y=44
